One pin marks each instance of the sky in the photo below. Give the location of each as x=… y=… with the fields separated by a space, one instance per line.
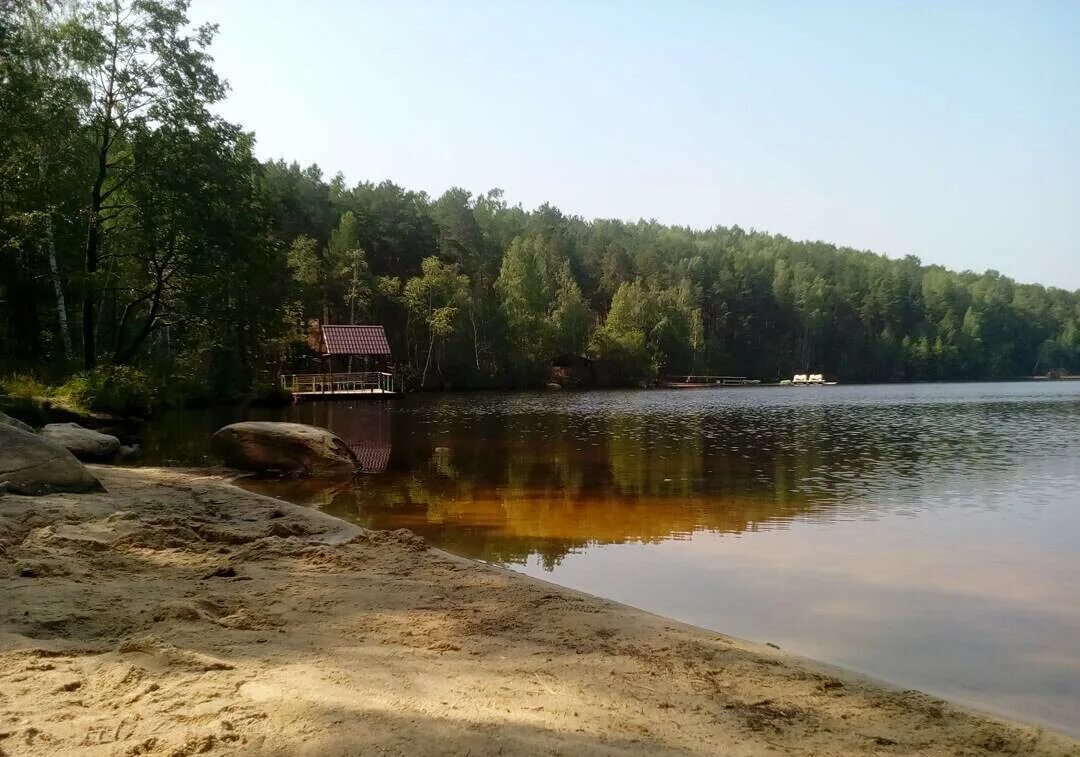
x=949 y=131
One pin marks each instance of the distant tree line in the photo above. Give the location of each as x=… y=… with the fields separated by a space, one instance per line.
x=137 y=228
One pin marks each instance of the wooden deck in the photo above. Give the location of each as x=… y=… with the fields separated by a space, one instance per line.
x=344 y=385
x=706 y=382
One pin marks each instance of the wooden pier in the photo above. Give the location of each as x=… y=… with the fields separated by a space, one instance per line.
x=330 y=385
x=706 y=382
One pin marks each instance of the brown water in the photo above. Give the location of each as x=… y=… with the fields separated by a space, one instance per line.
x=926 y=535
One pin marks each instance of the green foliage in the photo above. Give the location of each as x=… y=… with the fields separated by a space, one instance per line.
x=22 y=386
x=304 y=262
x=622 y=357
x=570 y=318
x=621 y=347
x=648 y=332
x=120 y=389
x=545 y=312
x=138 y=227
x=436 y=299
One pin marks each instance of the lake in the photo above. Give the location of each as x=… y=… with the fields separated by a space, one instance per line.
x=926 y=535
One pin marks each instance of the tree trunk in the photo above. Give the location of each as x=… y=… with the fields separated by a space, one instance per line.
x=427 y=362
x=54 y=268
x=352 y=311
x=93 y=243
x=475 y=335
x=50 y=241
x=148 y=327
x=354 y=288
x=97 y=199
x=90 y=269
x=58 y=286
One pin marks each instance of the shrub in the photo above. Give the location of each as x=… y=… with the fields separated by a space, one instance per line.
x=23 y=387
x=265 y=394
x=621 y=358
x=118 y=389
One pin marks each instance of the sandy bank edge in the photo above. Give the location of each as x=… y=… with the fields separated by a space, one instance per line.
x=180 y=614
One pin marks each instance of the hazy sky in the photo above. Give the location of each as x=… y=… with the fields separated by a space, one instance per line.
x=950 y=131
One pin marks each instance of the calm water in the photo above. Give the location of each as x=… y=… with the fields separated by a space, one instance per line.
x=927 y=535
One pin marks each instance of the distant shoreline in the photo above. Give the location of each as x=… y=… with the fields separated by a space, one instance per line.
x=43 y=410
x=762 y=385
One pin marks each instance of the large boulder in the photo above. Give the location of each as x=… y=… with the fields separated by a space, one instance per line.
x=7 y=420
x=30 y=464
x=84 y=443
x=263 y=446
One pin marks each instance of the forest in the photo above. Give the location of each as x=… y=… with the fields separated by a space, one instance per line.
x=139 y=232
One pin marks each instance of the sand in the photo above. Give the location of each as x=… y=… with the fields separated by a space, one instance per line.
x=179 y=615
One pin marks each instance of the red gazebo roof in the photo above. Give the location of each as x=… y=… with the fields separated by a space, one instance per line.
x=355 y=340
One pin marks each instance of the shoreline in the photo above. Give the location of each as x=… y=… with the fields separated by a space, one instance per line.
x=972 y=706
x=181 y=614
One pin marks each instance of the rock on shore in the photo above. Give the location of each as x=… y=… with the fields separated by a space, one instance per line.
x=86 y=444
x=7 y=420
x=31 y=464
x=263 y=446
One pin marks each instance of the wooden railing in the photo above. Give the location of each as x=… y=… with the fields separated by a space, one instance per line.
x=330 y=383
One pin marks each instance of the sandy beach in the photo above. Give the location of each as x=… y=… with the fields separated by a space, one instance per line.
x=177 y=614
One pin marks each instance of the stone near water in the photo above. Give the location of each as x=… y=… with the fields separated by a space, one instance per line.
x=31 y=464
x=84 y=443
x=262 y=446
x=7 y=420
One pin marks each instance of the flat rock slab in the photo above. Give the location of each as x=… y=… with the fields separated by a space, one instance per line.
x=84 y=443
x=31 y=464
x=263 y=446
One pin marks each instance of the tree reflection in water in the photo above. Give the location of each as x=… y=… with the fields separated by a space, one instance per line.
x=536 y=480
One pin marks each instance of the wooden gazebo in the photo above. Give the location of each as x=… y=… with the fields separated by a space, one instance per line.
x=340 y=346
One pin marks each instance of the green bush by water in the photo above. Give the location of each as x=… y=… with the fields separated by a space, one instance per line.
x=120 y=389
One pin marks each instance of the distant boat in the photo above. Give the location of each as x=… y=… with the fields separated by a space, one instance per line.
x=808 y=379
x=1056 y=376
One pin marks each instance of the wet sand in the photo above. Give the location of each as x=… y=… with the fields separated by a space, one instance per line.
x=178 y=615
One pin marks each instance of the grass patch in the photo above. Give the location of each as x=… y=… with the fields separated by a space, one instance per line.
x=23 y=387
x=23 y=397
